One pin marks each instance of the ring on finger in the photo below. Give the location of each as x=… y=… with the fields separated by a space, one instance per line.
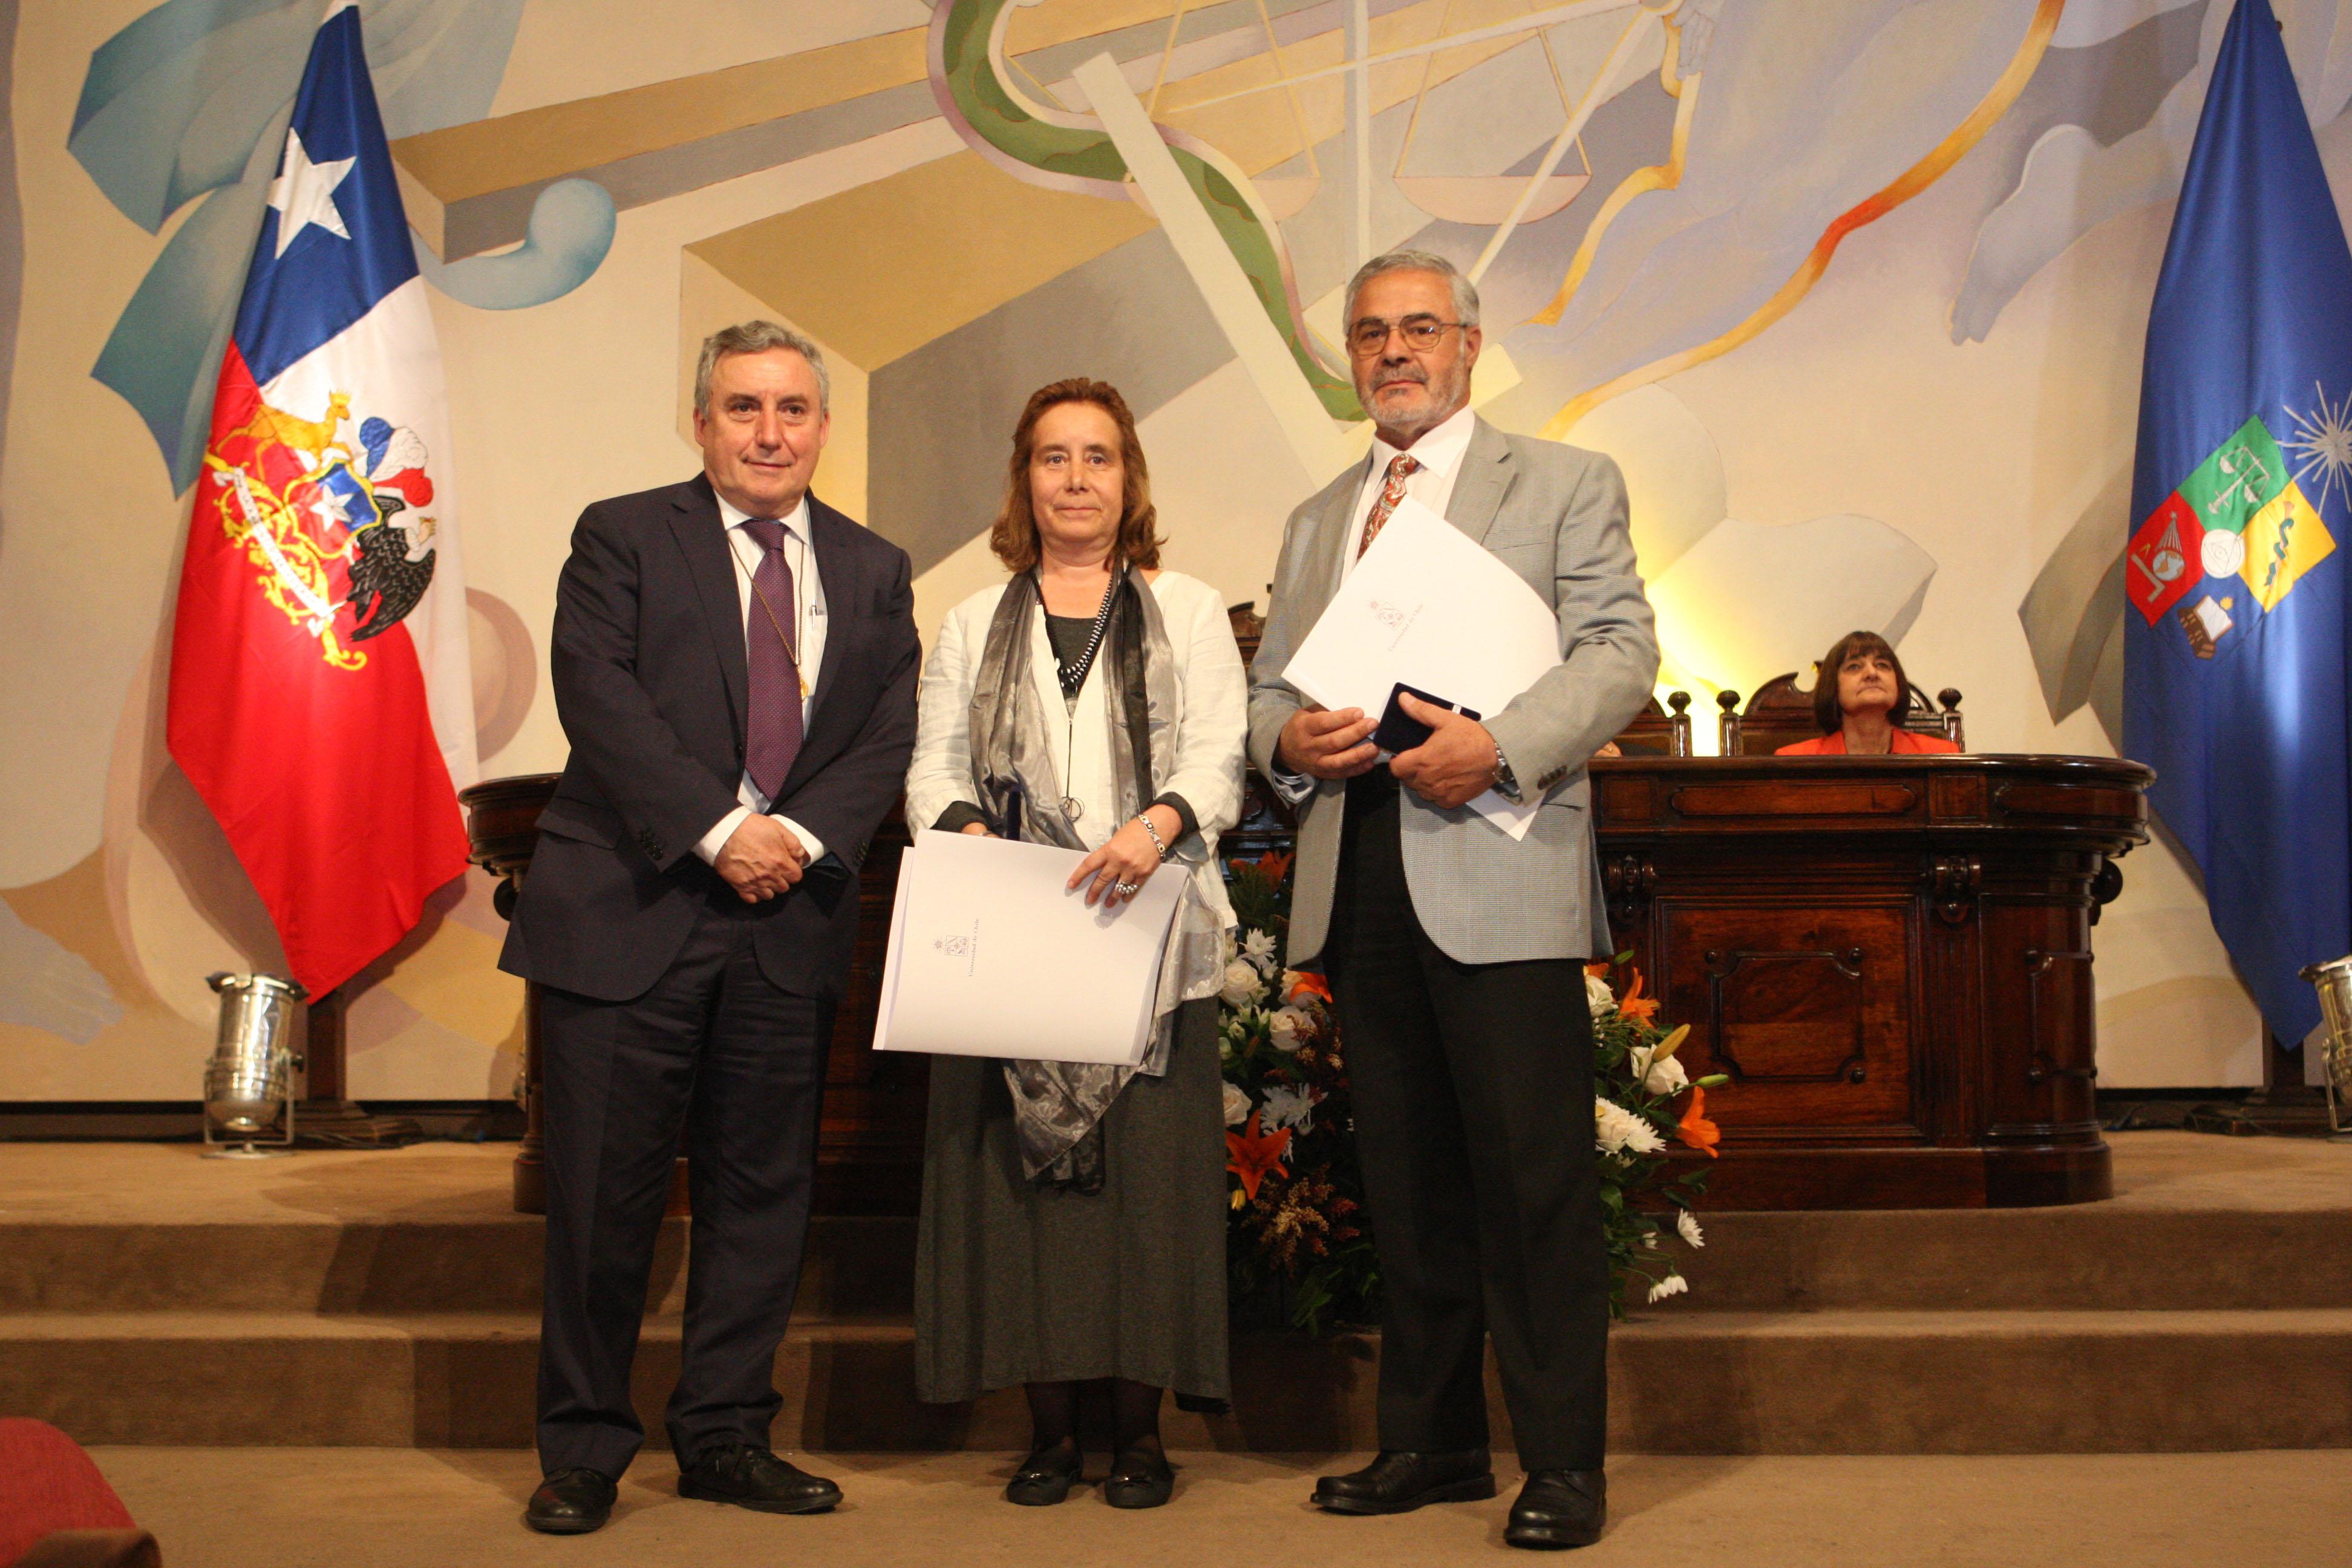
x=1124 y=889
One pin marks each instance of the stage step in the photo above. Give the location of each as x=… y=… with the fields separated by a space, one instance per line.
x=2202 y=1222
x=391 y=1297
x=1702 y=1383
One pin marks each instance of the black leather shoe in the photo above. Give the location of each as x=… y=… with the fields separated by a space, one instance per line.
x=1138 y=1479
x=570 y=1502
x=754 y=1478
x=1045 y=1476
x=1398 y=1482
x=1559 y=1509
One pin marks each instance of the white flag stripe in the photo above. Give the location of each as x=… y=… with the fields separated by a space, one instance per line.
x=388 y=363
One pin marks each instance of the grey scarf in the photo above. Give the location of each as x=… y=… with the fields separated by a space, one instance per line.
x=1059 y=1106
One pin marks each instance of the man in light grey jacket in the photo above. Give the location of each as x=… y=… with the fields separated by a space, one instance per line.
x=1457 y=953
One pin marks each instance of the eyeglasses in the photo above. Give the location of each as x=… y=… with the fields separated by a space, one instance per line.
x=1371 y=335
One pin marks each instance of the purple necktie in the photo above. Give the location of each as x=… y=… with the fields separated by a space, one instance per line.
x=776 y=738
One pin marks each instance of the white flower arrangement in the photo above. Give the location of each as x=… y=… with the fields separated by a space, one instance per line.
x=1288 y=1027
x=1659 y=1077
x=1237 y=1104
x=1619 y=1130
x=1243 y=985
x=1598 y=997
x=1291 y=1106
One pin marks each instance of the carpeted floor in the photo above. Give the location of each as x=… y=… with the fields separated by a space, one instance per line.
x=374 y=1508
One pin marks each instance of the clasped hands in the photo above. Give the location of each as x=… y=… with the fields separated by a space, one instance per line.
x=1455 y=764
x=1114 y=873
x=761 y=858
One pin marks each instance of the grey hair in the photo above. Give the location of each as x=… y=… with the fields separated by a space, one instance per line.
x=1465 y=293
x=758 y=338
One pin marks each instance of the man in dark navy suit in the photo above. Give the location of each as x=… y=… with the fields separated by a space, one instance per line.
x=735 y=665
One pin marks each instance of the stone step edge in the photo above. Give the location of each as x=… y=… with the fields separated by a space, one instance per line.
x=209 y=1324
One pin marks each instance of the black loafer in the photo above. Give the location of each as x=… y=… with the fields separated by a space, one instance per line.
x=754 y=1478
x=1398 y=1482
x=1045 y=1476
x=1559 y=1509
x=1138 y=1479
x=570 y=1502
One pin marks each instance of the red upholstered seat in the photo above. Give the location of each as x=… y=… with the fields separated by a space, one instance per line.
x=51 y=1485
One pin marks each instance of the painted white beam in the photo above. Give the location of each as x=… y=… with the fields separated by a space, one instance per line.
x=1224 y=286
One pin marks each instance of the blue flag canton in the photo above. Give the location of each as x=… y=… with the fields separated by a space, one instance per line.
x=2233 y=540
x=334 y=240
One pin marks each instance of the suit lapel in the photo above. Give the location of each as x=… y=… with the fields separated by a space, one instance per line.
x=836 y=569
x=703 y=540
x=1328 y=564
x=839 y=569
x=1478 y=489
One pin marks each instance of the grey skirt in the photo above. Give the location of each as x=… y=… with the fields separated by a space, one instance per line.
x=1019 y=1283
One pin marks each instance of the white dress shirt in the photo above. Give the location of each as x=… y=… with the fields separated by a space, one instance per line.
x=808 y=590
x=1439 y=453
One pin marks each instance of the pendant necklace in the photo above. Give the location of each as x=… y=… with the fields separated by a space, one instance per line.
x=791 y=644
x=1073 y=676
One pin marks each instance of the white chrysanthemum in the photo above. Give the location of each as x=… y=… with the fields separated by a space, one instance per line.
x=1257 y=946
x=1686 y=1225
x=1672 y=1285
x=1658 y=1077
x=1598 y=997
x=1242 y=982
x=1237 y=1105
x=1289 y=1105
x=1618 y=1131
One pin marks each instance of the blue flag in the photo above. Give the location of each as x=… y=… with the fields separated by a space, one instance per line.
x=2235 y=686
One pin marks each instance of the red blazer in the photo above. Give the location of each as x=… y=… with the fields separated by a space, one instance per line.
x=1906 y=742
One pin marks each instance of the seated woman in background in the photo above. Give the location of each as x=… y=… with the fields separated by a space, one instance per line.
x=1858 y=697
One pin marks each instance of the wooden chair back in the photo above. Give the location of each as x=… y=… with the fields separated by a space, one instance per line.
x=1782 y=713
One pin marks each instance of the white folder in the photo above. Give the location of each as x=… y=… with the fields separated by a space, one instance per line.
x=1428 y=608
x=990 y=956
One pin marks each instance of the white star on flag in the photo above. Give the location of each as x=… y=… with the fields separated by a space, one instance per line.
x=304 y=192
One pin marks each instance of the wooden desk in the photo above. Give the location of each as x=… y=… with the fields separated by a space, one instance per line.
x=1891 y=958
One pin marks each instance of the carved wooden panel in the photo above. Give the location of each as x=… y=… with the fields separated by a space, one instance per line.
x=1795 y=797
x=1806 y=1008
x=2039 y=990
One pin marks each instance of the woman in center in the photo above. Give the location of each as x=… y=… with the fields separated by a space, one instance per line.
x=1073 y=1228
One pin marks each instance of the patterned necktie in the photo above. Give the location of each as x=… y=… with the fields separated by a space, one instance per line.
x=1401 y=467
x=776 y=738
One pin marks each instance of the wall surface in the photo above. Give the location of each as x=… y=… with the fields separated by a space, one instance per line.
x=1853 y=290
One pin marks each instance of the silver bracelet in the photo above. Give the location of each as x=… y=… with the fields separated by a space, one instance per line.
x=1157 y=842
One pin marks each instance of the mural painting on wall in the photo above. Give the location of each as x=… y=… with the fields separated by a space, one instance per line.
x=1852 y=291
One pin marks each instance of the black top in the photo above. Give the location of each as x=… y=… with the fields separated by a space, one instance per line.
x=1068 y=636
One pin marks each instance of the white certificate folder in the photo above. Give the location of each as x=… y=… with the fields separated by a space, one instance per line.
x=989 y=956
x=1428 y=608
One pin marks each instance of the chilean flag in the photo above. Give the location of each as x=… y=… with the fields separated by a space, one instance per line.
x=320 y=699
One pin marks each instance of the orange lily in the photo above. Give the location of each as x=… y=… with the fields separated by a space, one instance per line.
x=1256 y=1155
x=1313 y=984
x=1275 y=864
x=1636 y=1007
x=1693 y=1129
x=1598 y=968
